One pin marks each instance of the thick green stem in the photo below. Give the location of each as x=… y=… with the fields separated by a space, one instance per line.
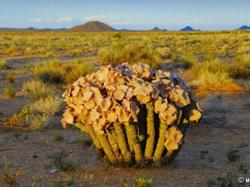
x=160 y=144
x=107 y=148
x=150 y=131
x=133 y=141
x=113 y=142
x=121 y=140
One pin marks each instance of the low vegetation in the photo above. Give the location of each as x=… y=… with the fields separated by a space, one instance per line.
x=36 y=89
x=9 y=91
x=2 y=64
x=240 y=68
x=10 y=77
x=54 y=71
x=49 y=72
x=44 y=103
x=9 y=177
x=143 y=181
x=119 y=53
x=63 y=161
x=42 y=110
x=58 y=136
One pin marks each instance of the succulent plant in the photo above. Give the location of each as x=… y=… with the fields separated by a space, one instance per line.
x=133 y=114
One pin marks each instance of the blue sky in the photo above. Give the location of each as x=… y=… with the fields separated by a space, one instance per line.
x=130 y=14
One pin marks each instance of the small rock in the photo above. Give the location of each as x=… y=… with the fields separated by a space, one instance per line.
x=243 y=145
x=35 y=156
x=53 y=170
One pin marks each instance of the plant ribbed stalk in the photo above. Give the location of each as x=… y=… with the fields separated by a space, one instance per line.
x=133 y=141
x=113 y=142
x=92 y=133
x=160 y=144
x=150 y=131
x=107 y=148
x=126 y=154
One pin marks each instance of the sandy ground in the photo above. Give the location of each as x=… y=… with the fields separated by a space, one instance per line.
x=203 y=157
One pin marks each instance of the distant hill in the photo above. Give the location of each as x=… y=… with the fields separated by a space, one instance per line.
x=187 y=28
x=156 y=29
x=244 y=27
x=92 y=26
x=29 y=29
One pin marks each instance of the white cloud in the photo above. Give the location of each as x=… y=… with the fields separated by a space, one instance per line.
x=98 y=18
x=121 y=23
x=60 y=20
x=65 y=19
x=36 y=20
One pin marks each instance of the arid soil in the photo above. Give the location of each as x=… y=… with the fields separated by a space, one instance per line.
x=202 y=159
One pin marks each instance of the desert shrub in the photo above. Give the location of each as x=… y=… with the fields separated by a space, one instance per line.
x=36 y=89
x=2 y=64
x=9 y=91
x=119 y=53
x=42 y=110
x=10 y=77
x=207 y=78
x=63 y=161
x=49 y=105
x=57 y=72
x=240 y=68
x=35 y=115
x=220 y=81
x=188 y=60
x=213 y=76
x=211 y=66
x=77 y=69
x=49 y=72
x=58 y=136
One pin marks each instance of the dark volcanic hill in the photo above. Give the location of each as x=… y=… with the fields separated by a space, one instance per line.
x=156 y=29
x=244 y=27
x=187 y=28
x=92 y=26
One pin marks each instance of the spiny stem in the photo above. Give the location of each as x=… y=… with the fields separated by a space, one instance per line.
x=160 y=144
x=113 y=142
x=92 y=133
x=121 y=140
x=107 y=148
x=150 y=131
x=133 y=141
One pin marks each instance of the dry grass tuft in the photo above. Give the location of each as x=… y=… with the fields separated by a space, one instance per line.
x=54 y=71
x=120 y=53
x=36 y=89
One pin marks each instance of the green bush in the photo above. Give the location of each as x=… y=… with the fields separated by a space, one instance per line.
x=132 y=53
